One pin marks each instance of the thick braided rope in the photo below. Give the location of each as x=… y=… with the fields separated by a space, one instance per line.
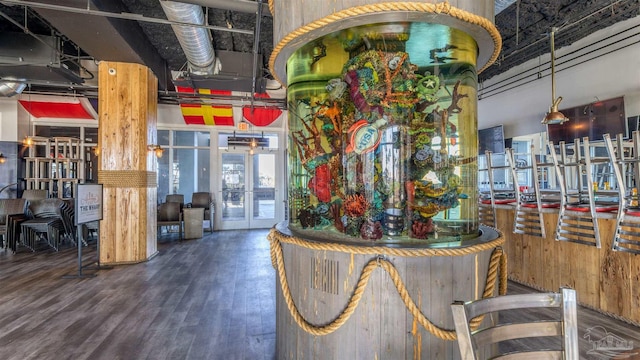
x=127 y=179
x=389 y=251
x=497 y=259
x=443 y=8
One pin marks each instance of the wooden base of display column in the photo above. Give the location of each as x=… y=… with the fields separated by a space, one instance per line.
x=338 y=301
x=127 y=170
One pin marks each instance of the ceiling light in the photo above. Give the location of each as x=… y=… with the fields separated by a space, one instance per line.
x=554 y=117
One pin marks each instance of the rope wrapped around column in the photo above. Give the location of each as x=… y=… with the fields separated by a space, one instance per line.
x=497 y=265
x=443 y=8
x=127 y=179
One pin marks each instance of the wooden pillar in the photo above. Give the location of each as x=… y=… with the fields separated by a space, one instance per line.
x=128 y=102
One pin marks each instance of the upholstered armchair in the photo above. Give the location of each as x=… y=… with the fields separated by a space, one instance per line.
x=177 y=198
x=204 y=200
x=169 y=215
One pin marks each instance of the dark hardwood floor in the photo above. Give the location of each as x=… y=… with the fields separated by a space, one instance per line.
x=210 y=298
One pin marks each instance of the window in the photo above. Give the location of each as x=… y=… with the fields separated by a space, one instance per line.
x=185 y=167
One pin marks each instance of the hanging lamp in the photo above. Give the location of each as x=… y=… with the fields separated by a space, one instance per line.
x=554 y=117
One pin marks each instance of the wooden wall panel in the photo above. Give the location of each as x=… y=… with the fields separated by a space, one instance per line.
x=634 y=288
x=127 y=124
x=604 y=279
x=615 y=280
x=513 y=243
x=550 y=252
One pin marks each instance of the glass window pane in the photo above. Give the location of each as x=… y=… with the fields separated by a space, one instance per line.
x=54 y=131
x=163 y=137
x=91 y=135
x=190 y=170
x=163 y=177
x=90 y=165
x=191 y=138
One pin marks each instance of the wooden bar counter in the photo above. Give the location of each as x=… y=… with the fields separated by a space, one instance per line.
x=606 y=280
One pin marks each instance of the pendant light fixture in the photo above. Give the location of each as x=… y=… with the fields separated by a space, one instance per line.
x=554 y=117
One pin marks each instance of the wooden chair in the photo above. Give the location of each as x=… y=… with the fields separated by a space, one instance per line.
x=169 y=214
x=484 y=341
x=204 y=200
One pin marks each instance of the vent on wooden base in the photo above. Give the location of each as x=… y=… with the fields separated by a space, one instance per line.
x=324 y=275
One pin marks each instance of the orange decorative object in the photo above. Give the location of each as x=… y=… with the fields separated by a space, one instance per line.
x=355 y=205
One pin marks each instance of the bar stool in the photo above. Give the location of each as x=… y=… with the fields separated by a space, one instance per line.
x=497 y=194
x=627 y=233
x=528 y=219
x=574 y=165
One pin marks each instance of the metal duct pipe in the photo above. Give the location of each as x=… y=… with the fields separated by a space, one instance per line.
x=11 y=88
x=502 y=4
x=195 y=41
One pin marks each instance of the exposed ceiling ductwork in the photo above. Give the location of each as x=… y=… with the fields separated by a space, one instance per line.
x=226 y=70
x=11 y=88
x=195 y=41
x=502 y=4
x=137 y=31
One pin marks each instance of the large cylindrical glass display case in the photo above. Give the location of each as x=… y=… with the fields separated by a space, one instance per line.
x=383 y=134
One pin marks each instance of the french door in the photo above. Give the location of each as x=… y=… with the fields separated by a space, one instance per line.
x=248 y=197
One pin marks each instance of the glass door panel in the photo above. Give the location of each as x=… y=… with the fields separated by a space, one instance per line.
x=263 y=191
x=248 y=198
x=234 y=209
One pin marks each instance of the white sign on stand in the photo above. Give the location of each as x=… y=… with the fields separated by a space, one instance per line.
x=88 y=208
x=88 y=203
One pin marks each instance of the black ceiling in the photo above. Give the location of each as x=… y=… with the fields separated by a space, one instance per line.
x=95 y=34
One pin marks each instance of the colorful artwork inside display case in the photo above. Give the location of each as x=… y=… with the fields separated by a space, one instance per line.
x=383 y=136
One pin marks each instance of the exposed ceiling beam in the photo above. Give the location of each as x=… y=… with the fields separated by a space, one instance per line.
x=244 y=6
x=115 y=15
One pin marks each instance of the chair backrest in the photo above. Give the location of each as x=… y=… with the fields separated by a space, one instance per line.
x=479 y=342
x=169 y=212
x=177 y=198
x=35 y=194
x=201 y=200
x=11 y=207
x=42 y=208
